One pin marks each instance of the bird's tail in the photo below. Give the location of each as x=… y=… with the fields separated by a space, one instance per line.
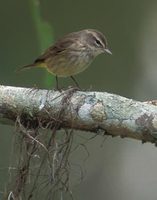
x=30 y=66
x=25 y=67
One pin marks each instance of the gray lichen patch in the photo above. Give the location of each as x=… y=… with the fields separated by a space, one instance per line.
x=154 y=122
x=84 y=112
x=92 y=110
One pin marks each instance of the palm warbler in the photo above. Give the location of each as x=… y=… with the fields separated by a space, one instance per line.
x=72 y=54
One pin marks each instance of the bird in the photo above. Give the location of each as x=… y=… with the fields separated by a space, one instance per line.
x=72 y=53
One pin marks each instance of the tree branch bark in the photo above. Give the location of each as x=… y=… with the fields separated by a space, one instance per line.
x=98 y=112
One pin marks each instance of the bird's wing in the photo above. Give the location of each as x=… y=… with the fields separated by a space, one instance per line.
x=59 y=47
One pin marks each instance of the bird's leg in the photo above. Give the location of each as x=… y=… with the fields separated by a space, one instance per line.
x=77 y=85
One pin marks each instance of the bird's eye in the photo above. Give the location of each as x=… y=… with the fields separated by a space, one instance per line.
x=98 y=43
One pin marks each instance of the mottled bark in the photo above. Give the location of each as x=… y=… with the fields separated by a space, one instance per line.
x=98 y=112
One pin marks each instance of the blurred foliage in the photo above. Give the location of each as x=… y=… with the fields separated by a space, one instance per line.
x=44 y=33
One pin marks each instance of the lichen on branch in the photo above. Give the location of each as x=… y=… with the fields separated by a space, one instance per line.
x=98 y=112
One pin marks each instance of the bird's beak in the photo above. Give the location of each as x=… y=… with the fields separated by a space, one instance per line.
x=108 y=51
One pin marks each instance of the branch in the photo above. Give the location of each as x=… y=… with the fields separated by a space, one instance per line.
x=98 y=112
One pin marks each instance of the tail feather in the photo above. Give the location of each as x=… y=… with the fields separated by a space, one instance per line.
x=26 y=67
x=36 y=64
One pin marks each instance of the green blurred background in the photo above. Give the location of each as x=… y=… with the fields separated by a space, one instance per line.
x=119 y=169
